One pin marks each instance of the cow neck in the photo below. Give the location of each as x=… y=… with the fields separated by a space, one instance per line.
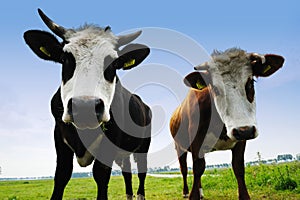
x=117 y=103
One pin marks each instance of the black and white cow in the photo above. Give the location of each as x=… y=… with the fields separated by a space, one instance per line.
x=95 y=116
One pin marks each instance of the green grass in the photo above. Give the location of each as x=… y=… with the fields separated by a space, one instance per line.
x=276 y=182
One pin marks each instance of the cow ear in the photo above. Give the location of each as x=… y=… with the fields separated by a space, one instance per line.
x=132 y=55
x=271 y=65
x=44 y=45
x=197 y=80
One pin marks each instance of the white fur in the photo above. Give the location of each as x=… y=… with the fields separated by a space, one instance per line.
x=230 y=71
x=140 y=197
x=201 y=193
x=89 y=46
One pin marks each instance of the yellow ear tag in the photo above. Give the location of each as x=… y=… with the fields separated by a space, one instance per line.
x=129 y=63
x=199 y=85
x=44 y=50
x=267 y=69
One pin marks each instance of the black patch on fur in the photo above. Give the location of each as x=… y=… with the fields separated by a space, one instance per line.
x=110 y=68
x=249 y=87
x=68 y=68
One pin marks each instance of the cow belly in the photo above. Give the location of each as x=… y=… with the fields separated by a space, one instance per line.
x=213 y=143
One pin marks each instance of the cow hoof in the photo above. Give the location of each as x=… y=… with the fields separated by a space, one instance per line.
x=140 y=197
x=185 y=196
x=129 y=197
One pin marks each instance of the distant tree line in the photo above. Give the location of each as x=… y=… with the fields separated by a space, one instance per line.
x=280 y=159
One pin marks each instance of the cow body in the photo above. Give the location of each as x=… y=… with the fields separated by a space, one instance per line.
x=218 y=113
x=182 y=123
x=96 y=118
x=109 y=144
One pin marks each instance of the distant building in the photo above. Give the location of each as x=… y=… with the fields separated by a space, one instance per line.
x=284 y=158
x=271 y=161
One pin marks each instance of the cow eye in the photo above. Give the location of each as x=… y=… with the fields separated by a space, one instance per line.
x=249 y=87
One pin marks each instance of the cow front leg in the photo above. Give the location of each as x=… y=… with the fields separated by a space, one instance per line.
x=64 y=166
x=198 y=161
x=141 y=159
x=239 y=169
x=182 y=156
x=125 y=165
x=198 y=170
x=101 y=173
x=127 y=175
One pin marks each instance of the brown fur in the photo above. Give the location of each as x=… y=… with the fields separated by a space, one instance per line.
x=189 y=125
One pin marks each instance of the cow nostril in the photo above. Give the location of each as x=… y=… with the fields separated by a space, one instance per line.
x=236 y=134
x=253 y=130
x=99 y=108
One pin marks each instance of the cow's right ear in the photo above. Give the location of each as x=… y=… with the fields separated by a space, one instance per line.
x=132 y=55
x=44 y=45
x=197 y=80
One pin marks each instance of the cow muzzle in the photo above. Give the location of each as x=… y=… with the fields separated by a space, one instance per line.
x=85 y=112
x=244 y=133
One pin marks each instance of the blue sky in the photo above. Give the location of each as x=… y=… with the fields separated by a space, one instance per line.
x=27 y=83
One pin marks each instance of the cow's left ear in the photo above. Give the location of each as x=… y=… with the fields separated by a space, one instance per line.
x=44 y=45
x=197 y=80
x=271 y=65
x=132 y=55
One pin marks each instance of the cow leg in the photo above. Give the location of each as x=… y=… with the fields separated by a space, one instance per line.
x=141 y=160
x=101 y=173
x=239 y=169
x=127 y=175
x=198 y=170
x=64 y=165
x=198 y=161
x=182 y=155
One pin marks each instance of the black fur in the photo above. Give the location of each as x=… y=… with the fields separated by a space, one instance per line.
x=114 y=140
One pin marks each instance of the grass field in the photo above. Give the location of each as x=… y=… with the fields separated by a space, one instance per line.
x=264 y=182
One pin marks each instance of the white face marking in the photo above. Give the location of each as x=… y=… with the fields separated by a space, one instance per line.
x=89 y=46
x=230 y=72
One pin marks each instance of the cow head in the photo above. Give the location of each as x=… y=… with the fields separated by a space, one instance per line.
x=89 y=56
x=230 y=76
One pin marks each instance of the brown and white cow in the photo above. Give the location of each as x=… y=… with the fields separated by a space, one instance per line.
x=219 y=112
